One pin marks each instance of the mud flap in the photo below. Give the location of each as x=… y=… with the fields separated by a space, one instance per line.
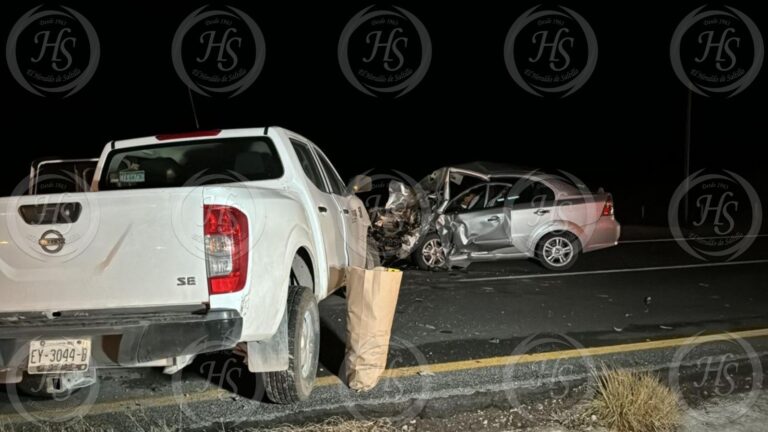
x=270 y=355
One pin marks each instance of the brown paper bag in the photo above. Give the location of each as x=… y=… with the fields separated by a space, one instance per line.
x=371 y=301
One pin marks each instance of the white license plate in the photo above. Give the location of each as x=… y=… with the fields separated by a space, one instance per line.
x=59 y=355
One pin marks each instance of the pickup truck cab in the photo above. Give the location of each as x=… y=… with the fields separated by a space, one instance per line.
x=186 y=244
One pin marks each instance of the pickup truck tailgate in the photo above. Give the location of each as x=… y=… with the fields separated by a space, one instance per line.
x=113 y=249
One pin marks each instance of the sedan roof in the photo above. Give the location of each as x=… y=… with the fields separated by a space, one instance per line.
x=493 y=169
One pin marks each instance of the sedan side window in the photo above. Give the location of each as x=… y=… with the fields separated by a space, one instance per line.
x=497 y=195
x=309 y=165
x=531 y=193
x=470 y=200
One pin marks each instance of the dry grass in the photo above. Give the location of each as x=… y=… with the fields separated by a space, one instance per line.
x=337 y=424
x=629 y=401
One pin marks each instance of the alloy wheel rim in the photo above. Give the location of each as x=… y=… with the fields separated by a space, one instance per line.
x=558 y=251
x=433 y=253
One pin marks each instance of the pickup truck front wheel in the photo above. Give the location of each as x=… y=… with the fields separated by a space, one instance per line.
x=295 y=384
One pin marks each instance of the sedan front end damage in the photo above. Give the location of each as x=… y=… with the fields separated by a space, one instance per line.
x=486 y=212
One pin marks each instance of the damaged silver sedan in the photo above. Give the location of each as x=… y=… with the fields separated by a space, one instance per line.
x=484 y=211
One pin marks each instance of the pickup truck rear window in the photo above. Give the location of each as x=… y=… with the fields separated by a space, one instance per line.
x=192 y=163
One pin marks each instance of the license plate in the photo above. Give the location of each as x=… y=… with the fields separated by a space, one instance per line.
x=59 y=355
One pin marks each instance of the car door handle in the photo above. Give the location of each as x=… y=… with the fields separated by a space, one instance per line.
x=540 y=212
x=322 y=209
x=493 y=219
x=346 y=211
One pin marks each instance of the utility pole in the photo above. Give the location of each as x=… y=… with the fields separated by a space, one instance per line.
x=687 y=156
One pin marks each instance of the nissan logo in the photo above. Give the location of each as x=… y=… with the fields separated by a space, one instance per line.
x=52 y=241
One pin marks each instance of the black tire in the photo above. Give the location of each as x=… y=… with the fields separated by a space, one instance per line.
x=423 y=262
x=563 y=238
x=295 y=384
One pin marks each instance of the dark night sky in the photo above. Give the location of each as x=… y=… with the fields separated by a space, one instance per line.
x=624 y=129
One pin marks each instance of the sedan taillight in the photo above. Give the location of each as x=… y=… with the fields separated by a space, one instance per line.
x=226 y=248
x=608 y=207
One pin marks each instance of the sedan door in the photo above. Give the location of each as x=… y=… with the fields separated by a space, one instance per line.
x=532 y=205
x=479 y=219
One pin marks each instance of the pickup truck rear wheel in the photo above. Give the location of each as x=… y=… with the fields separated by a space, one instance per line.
x=295 y=384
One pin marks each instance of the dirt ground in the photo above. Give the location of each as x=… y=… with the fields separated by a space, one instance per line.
x=736 y=413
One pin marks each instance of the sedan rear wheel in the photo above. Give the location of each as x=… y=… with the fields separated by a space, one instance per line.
x=558 y=251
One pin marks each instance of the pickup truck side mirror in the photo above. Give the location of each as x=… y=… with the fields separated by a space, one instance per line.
x=361 y=183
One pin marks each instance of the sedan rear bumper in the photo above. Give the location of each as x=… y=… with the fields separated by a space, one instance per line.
x=603 y=234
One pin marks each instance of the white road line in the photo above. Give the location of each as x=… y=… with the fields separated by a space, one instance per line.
x=611 y=271
x=690 y=239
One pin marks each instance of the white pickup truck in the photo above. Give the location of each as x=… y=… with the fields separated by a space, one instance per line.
x=186 y=243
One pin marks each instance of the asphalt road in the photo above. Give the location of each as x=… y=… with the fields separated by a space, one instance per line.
x=451 y=329
x=489 y=308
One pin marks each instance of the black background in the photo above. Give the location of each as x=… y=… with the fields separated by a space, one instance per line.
x=624 y=130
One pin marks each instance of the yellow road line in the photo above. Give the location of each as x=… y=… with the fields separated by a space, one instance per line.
x=553 y=355
x=121 y=405
x=216 y=393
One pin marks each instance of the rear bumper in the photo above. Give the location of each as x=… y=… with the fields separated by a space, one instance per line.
x=123 y=337
x=604 y=234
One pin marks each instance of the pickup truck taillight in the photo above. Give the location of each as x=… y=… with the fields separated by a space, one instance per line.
x=226 y=248
x=608 y=207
